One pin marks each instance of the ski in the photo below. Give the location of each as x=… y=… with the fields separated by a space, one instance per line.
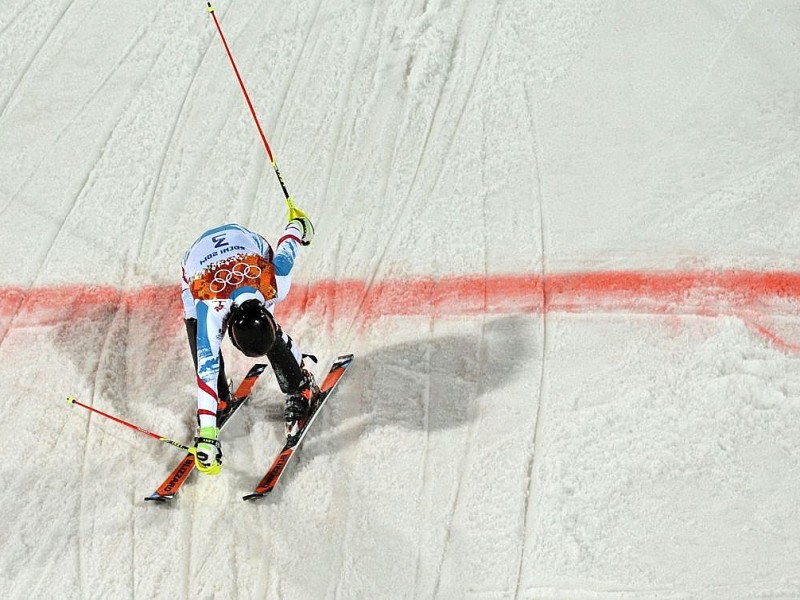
x=172 y=484
x=270 y=480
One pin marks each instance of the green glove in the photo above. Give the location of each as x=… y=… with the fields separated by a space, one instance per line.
x=208 y=451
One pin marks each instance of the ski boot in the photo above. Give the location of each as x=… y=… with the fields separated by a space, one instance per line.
x=299 y=406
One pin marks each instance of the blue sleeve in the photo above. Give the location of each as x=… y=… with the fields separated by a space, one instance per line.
x=284 y=257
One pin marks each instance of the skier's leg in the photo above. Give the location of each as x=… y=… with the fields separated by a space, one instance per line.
x=285 y=360
x=223 y=389
x=295 y=381
x=191 y=333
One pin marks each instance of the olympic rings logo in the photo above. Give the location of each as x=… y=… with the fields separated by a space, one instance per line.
x=234 y=276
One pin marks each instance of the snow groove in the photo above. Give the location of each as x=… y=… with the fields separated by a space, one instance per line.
x=714 y=60
x=433 y=124
x=282 y=97
x=5 y=102
x=345 y=498
x=424 y=477
x=526 y=536
x=13 y=19
x=156 y=182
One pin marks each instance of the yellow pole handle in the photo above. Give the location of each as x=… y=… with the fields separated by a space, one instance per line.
x=294 y=212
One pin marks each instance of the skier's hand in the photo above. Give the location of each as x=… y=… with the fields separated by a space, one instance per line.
x=208 y=451
x=301 y=228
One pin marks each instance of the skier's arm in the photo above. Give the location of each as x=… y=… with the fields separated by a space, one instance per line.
x=296 y=233
x=189 y=311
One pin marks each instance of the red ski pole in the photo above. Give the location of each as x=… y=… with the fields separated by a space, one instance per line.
x=293 y=210
x=160 y=438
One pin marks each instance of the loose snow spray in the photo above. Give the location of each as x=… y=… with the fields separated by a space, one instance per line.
x=294 y=212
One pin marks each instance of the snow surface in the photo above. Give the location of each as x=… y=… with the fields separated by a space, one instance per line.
x=561 y=238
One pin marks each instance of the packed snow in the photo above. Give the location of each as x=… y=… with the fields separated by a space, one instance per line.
x=561 y=239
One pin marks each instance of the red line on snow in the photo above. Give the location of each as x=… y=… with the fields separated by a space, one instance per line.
x=750 y=295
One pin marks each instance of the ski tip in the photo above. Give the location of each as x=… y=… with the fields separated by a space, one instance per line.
x=71 y=399
x=342 y=361
x=255 y=495
x=159 y=498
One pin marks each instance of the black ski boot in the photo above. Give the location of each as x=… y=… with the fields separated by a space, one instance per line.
x=299 y=406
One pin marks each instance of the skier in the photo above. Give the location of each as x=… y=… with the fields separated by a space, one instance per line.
x=231 y=281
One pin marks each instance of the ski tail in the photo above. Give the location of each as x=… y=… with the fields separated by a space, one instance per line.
x=173 y=483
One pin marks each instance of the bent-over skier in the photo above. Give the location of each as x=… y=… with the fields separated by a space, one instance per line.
x=232 y=279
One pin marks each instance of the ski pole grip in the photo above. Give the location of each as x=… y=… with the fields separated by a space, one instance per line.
x=294 y=212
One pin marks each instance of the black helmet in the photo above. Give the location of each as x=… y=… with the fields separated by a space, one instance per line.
x=252 y=328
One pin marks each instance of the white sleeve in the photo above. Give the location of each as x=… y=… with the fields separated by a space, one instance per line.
x=189 y=309
x=284 y=261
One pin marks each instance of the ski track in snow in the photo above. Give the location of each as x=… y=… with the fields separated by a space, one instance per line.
x=343 y=499
x=356 y=58
x=276 y=114
x=85 y=512
x=32 y=58
x=715 y=59
x=85 y=107
x=13 y=19
x=427 y=478
x=154 y=186
x=405 y=204
x=531 y=490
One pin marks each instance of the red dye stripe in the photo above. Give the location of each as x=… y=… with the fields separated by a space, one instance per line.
x=580 y=292
x=700 y=293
